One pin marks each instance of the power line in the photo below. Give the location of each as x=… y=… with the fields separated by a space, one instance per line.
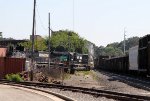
x=41 y=22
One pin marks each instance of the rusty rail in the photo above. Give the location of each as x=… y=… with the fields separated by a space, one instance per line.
x=95 y=92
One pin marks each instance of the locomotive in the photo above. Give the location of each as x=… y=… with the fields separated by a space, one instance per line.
x=75 y=60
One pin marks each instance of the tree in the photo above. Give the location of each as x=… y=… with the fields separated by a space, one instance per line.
x=110 y=51
x=39 y=45
x=60 y=42
x=115 y=45
x=130 y=42
x=116 y=48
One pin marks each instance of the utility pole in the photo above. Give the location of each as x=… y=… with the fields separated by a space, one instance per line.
x=124 y=40
x=33 y=32
x=69 y=34
x=49 y=30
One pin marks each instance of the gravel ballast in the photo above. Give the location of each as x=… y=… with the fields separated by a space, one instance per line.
x=96 y=80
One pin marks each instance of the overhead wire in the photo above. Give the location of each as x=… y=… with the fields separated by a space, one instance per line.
x=73 y=17
x=40 y=20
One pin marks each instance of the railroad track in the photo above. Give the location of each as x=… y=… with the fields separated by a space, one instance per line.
x=94 y=92
x=145 y=85
x=64 y=98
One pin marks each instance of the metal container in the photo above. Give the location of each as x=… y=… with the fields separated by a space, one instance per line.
x=27 y=65
x=143 y=42
x=11 y=65
x=143 y=59
x=2 y=67
x=117 y=64
x=148 y=52
x=14 y=65
x=133 y=58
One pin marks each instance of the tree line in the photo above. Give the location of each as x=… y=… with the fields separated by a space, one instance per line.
x=116 y=48
x=62 y=40
x=65 y=40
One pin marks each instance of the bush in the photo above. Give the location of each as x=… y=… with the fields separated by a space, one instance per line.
x=14 y=77
x=8 y=77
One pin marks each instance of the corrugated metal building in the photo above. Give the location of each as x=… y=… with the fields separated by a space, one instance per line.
x=11 y=65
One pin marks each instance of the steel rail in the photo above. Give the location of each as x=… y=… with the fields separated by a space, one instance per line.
x=91 y=91
x=130 y=80
x=65 y=98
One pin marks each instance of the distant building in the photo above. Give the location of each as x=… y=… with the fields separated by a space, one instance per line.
x=7 y=42
x=11 y=46
x=3 y=51
x=36 y=37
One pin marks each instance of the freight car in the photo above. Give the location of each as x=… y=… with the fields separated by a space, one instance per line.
x=115 y=64
x=118 y=64
x=137 y=61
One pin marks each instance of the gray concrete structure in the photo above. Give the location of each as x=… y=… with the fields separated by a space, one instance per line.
x=10 y=93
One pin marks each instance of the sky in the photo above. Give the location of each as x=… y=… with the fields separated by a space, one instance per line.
x=99 y=21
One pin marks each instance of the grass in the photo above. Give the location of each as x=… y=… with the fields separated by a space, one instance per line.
x=14 y=77
x=84 y=73
x=66 y=76
x=95 y=77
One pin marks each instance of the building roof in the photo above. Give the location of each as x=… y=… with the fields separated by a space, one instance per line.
x=11 y=41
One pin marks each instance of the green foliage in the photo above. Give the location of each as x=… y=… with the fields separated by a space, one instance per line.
x=116 y=48
x=60 y=42
x=39 y=44
x=14 y=77
x=130 y=42
x=27 y=45
x=111 y=51
x=84 y=73
x=8 y=77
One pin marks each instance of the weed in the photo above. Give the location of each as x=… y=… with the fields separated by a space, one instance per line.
x=95 y=77
x=84 y=73
x=66 y=76
x=14 y=77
